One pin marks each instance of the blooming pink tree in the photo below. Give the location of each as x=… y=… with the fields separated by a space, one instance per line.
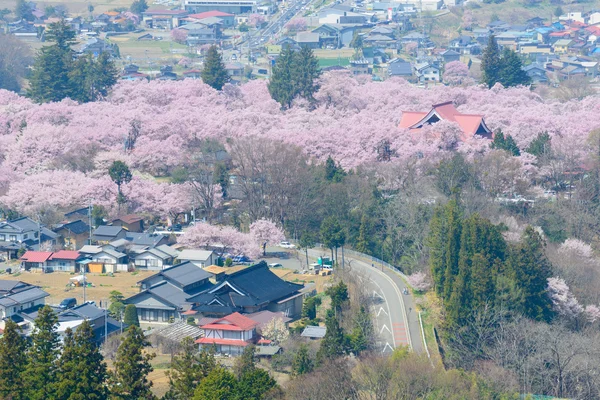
x=296 y=25
x=592 y=313
x=419 y=281
x=563 y=300
x=266 y=232
x=467 y=20
x=411 y=48
x=222 y=238
x=456 y=73
x=256 y=20
x=179 y=35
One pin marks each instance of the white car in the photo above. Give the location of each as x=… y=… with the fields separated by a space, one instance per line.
x=286 y=245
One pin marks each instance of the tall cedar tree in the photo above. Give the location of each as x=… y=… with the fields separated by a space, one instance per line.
x=530 y=269
x=188 y=369
x=281 y=84
x=50 y=77
x=302 y=363
x=213 y=72
x=129 y=380
x=453 y=218
x=244 y=364
x=13 y=362
x=220 y=384
x=41 y=372
x=511 y=70
x=334 y=343
x=332 y=234
x=305 y=74
x=438 y=231
x=490 y=62
x=130 y=316
x=81 y=368
x=254 y=384
x=91 y=79
x=506 y=143
x=138 y=7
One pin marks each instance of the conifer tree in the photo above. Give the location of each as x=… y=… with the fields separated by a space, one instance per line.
x=254 y=384
x=281 y=83
x=334 y=343
x=363 y=243
x=13 y=362
x=42 y=356
x=529 y=268
x=220 y=384
x=214 y=73
x=244 y=364
x=81 y=368
x=129 y=380
x=490 y=62
x=302 y=363
x=187 y=370
x=305 y=74
x=454 y=228
x=436 y=242
x=506 y=143
x=511 y=70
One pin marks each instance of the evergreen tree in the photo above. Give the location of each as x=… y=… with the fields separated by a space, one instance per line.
x=506 y=143
x=281 y=84
x=338 y=294
x=362 y=331
x=332 y=234
x=254 y=384
x=138 y=7
x=81 y=368
x=454 y=229
x=305 y=74
x=334 y=342
x=490 y=62
x=187 y=370
x=558 y=11
x=529 y=268
x=307 y=241
x=130 y=316
x=220 y=384
x=333 y=172
x=357 y=41
x=436 y=242
x=363 y=243
x=214 y=73
x=24 y=11
x=13 y=362
x=129 y=380
x=309 y=307
x=120 y=174
x=42 y=356
x=511 y=70
x=540 y=146
x=302 y=364
x=50 y=80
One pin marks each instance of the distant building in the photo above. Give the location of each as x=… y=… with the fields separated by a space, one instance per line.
x=227 y=6
x=227 y=19
x=165 y=19
x=16 y=296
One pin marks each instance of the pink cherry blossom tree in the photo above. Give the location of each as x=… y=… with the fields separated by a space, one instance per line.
x=419 y=281
x=223 y=239
x=256 y=20
x=563 y=300
x=179 y=35
x=296 y=25
x=457 y=73
x=266 y=232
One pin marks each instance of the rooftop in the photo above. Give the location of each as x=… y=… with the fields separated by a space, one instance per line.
x=36 y=256
x=232 y=322
x=315 y=332
x=209 y=14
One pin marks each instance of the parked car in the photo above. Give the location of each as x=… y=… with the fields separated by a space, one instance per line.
x=275 y=265
x=67 y=303
x=175 y=228
x=286 y=245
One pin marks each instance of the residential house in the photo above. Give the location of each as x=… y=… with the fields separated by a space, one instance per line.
x=426 y=72
x=147 y=239
x=536 y=72
x=27 y=233
x=263 y=318
x=359 y=65
x=450 y=56
x=107 y=260
x=314 y=332
x=105 y=233
x=166 y=73
x=249 y=290
x=465 y=45
x=192 y=74
x=202 y=258
x=333 y=15
x=64 y=260
x=96 y=46
x=470 y=124
x=230 y=334
x=378 y=40
x=164 y=19
x=535 y=22
x=16 y=296
x=35 y=260
x=308 y=39
x=102 y=324
x=131 y=222
x=228 y=6
x=235 y=70
x=533 y=50
x=73 y=235
x=164 y=296
x=401 y=68
x=375 y=56
x=200 y=34
x=496 y=27
x=227 y=19
x=336 y=35
x=153 y=258
x=562 y=46
x=81 y=213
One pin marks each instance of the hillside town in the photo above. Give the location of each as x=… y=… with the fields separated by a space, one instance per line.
x=301 y=199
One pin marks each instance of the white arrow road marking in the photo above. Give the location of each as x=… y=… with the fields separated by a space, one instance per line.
x=386 y=346
x=385 y=327
x=380 y=310
x=377 y=294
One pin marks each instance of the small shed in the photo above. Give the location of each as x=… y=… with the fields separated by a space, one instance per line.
x=314 y=332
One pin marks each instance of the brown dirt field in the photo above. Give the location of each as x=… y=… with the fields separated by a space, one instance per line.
x=56 y=284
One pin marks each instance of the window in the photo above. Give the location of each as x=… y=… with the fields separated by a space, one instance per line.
x=25 y=236
x=2 y=237
x=13 y=238
x=35 y=235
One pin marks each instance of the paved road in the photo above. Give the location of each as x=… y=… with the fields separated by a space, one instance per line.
x=395 y=316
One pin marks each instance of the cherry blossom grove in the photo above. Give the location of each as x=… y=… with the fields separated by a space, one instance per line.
x=59 y=152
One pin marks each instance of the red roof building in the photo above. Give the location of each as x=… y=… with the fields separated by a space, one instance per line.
x=470 y=124
x=229 y=334
x=65 y=255
x=36 y=256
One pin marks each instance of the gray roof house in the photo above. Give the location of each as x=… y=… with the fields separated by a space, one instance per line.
x=153 y=258
x=314 y=332
x=146 y=239
x=536 y=72
x=401 y=68
x=202 y=258
x=26 y=232
x=106 y=233
x=16 y=296
x=308 y=39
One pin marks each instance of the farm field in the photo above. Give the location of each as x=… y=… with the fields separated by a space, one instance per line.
x=77 y=7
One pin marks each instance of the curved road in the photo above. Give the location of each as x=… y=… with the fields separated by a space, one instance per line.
x=396 y=319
